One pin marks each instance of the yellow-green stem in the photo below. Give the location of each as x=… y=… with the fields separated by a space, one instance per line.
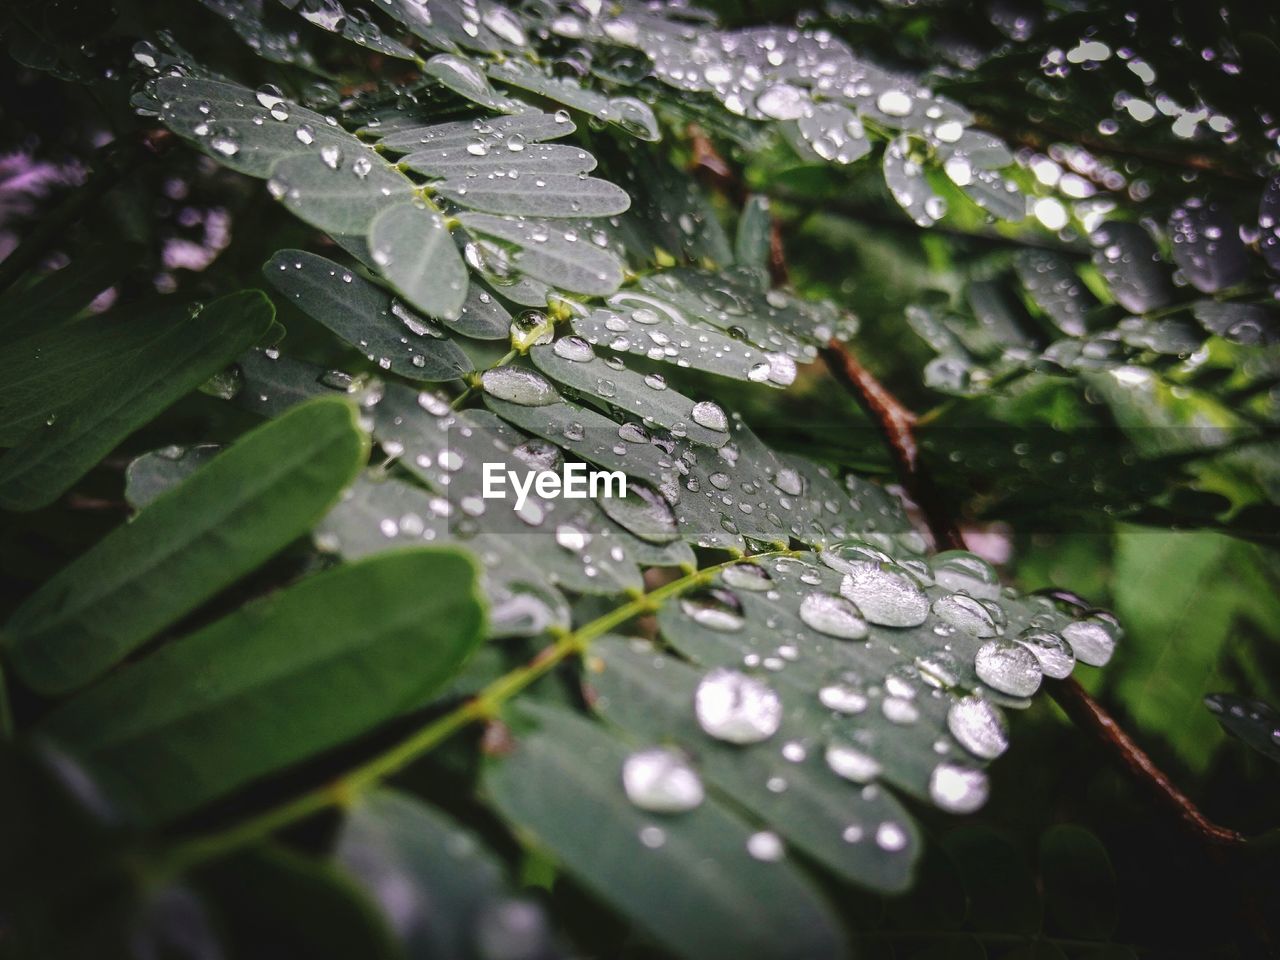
x=486 y=704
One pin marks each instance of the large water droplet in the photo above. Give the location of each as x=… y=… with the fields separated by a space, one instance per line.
x=851 y=763
x=710 y=415
x=747 y=576
x=714 y=608
x=1008 y=667
x=737 y=708
x=1093 y=640
x=835 y=616
x=765 y=846
x=575 y=349
x=661 y=780
x=958 y=789
x=519 y=385
x=965 y=613
x=963 y=572
x=886 y=594
x=979 y=726
x=1053 y=652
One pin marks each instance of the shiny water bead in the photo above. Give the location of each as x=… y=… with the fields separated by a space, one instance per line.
x=519 y=385
x=1009 y=667
x=660 y=780
x=710 y=415
x=832 y=615
x=845 y=695
x=714 y=608
x=737 y=708
x=851 y=763
x=574 y=348
x=958 y=789
x=1092 y=640
x=979 y=726
x=747 y=576
x=765 y=846
x=1053 y=652
x=965 y=613
x=963 y=572
x=886 y=594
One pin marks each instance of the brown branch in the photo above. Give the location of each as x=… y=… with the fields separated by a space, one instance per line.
x=897 y=425
x=1088 y=714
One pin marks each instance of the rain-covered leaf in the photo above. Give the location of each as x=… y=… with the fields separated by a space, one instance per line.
x=389 y=332
x=690 y=882
x=546 y=251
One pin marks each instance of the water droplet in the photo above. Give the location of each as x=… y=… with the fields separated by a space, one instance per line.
x=715 y=608
x=1053 y=652
x=765 y=846
x=851 y=763
x=979 y=726
x=835 y=616
x=891 y=836
x=737 y=708
x=965 y=613
x=958 y=789
x=963 y=572
x=1093 y=640
x=519 y=385
x=747 y=576
x=661 y=780
x=575 y=349
x=894 y=103
x=1008 y=667
x=845 y=696
x=886 y=594
x=710 y=415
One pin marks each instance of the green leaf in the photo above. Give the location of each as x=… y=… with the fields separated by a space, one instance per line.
x=492 y=132
x=195 y=345
x=443 y=894
x=228 y=518
x=1252 y=721
x=159 y=471
x=1187 y=596
x=647 y=333
x=415 y=251
x=366 y=316
x=333 y=190
x=234 y=126
x=648 y=694
x=559 y=256
x=536 y=194
x=506 y=156
x=244 y=698
x=688 y=881
x=1079 y=884
x=754 y=237
x=647 y=397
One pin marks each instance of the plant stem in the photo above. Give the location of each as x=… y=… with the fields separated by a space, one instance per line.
x=897 y=426
x=1087 y=713
x=484 y=705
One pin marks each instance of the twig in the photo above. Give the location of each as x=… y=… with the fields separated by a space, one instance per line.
x=897 y=425
x=1088 y=714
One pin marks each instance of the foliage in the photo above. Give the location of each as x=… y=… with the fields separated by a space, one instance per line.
x=320 y=696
